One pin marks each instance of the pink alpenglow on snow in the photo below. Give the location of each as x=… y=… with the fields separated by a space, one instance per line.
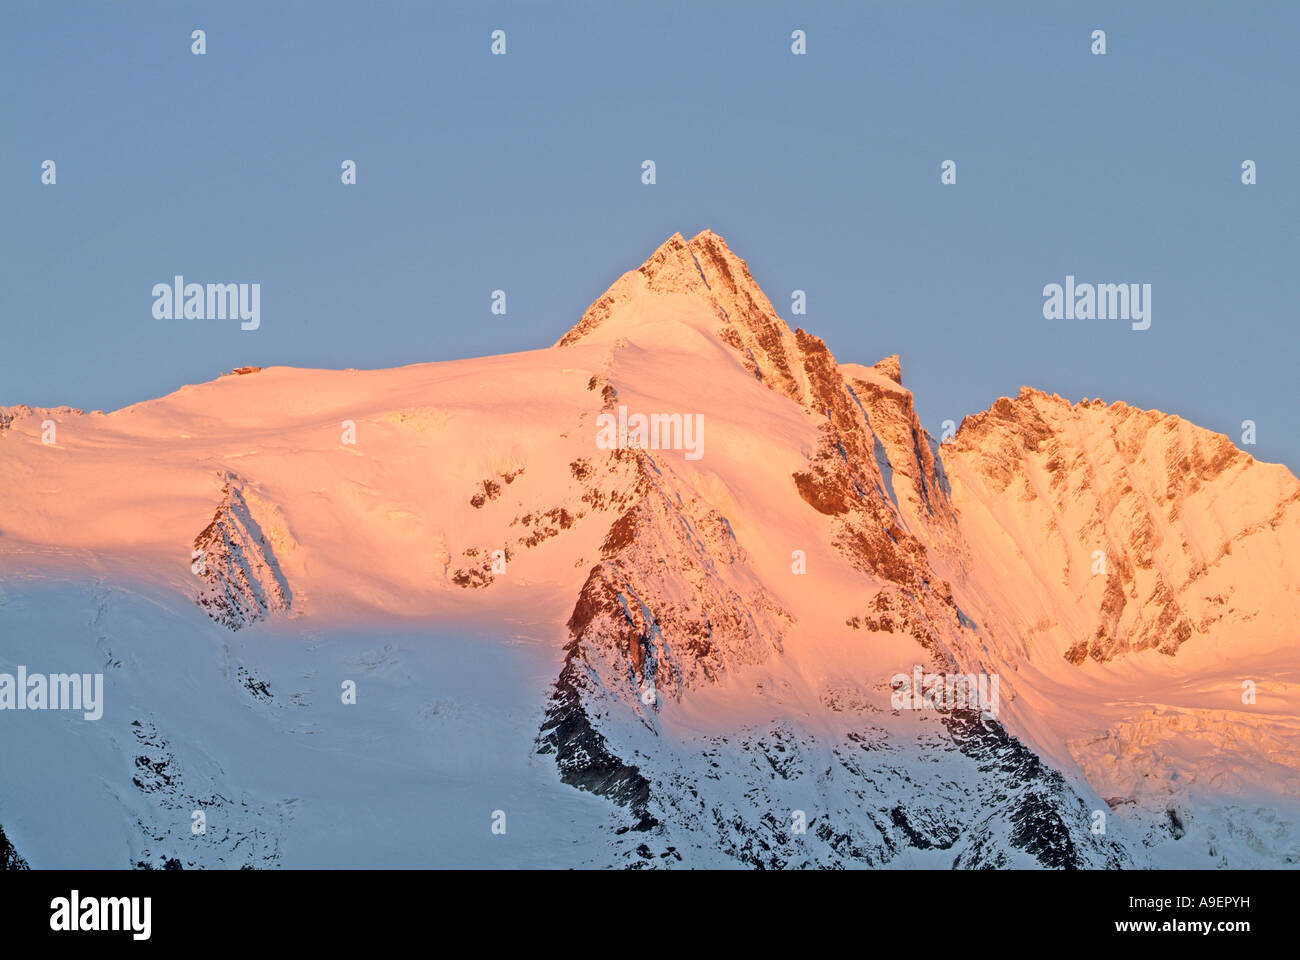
x=346 y=598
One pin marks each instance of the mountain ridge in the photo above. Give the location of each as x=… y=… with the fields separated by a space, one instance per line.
x=724 y=631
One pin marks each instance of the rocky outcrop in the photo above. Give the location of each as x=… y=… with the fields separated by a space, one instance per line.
x=704 y=267
x=9 y=857
x=1147 y=532
x=668 y=607
x=235 y=561
x=914 y=472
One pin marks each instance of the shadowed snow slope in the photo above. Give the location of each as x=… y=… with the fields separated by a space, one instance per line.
x=677 y=649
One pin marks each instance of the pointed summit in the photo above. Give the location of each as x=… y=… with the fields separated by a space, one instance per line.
x=673 y=269
x=705 y=267
x=670 y=269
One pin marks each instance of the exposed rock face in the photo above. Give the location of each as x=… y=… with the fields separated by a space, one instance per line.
x=234 y=557
x=706 y=268
x=962 y=792
x=855 y=476
x=669 y=606
x=672 y=607
x=1149 y=543
x=9 y=858
x=890 y=368
x=731 y=623
x=672 y=591
x=1031 y=807
x=851 y=474
x=240 y=834
x=914 y=473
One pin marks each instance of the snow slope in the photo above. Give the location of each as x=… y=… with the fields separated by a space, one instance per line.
x=637 y=656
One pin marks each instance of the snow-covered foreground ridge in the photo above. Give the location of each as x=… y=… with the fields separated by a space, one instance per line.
x=644 y=598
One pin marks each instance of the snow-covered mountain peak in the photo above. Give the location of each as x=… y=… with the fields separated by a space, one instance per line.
x=1157 y=533
x=717 y=622
x=701 y=283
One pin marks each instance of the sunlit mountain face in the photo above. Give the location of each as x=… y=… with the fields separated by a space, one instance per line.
x=681 y=590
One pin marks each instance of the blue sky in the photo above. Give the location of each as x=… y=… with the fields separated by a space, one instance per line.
x=478 y=172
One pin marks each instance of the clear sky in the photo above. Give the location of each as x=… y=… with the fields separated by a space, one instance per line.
x=523 y=172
